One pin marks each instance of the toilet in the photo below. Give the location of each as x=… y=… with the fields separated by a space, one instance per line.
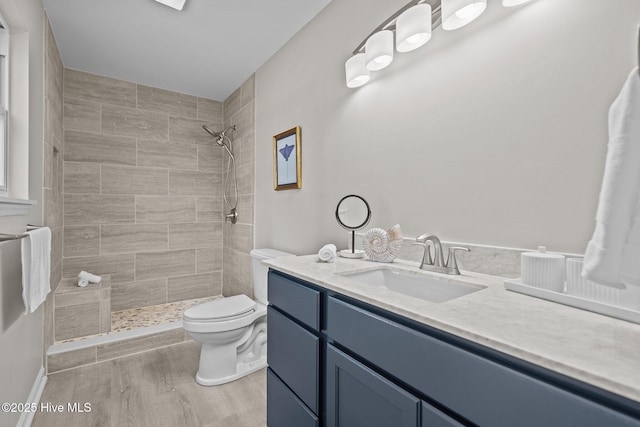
x=233 y=330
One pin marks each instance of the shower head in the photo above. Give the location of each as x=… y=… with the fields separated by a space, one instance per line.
x=220 y=136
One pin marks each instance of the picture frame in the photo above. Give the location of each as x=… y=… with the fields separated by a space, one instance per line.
x=287 y=160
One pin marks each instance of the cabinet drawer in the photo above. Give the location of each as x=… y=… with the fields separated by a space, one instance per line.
x=432 y=417
x=464 y=382
x=293 y=354
x=284 y=409
x=295 y=299
x=360 y=397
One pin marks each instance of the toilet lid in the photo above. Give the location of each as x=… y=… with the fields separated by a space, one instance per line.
x=221 y=309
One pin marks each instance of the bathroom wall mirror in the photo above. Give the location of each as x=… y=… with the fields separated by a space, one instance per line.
x=353 y=213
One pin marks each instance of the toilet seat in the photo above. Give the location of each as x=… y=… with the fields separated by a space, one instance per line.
x=224 y=314
x=221 y=309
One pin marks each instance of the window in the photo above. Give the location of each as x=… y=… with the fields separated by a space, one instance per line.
x=4 y=104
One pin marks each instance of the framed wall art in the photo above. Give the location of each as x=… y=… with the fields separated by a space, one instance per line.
x=287 y=160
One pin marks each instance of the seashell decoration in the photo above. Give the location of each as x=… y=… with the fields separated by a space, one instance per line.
x=381 y=245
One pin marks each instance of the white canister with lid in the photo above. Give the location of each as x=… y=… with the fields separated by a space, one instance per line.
x=543 y=269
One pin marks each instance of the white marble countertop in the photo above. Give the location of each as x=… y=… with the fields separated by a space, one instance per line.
x=593 y=348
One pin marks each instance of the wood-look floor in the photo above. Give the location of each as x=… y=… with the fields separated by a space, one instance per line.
x=156 y=388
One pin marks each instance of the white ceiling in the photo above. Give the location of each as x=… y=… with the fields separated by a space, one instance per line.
x=208 y=49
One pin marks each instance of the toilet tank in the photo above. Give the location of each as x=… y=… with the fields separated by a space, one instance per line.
x=260 y=271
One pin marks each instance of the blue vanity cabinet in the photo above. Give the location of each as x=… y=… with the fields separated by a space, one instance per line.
x=335 y=361
x=293 y=354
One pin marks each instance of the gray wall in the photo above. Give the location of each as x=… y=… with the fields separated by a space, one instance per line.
x=20 y=335
x=493 y=134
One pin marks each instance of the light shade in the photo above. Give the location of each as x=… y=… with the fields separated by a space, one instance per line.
x=356 y=71
x=379 y=50
x=458 y=13
x=176 y=4
x=511 y=3
x=413 y=28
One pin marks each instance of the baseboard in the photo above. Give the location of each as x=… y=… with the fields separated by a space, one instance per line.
x=34 y=397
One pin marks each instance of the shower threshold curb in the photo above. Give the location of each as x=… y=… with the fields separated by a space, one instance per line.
x=112 y=338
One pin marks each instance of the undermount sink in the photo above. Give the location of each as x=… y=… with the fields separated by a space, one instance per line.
x=422 y=286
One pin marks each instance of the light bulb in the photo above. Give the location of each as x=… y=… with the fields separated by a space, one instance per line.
x=378 y=50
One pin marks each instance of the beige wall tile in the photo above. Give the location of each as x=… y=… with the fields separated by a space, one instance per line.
x=210 y=158
x=247 y=145
x=244 y=120
x=105 y=316
x=188 y=183
x=83 y=240
x=53 y=119
x=82 y=115
x=153 y=265
x=232 y=105
x=248 y=90
x=183 y=236
x=77 y=321
x=125 y=296
x=133 y=238
x=246 y=174
x=209 y=259
x=170 y=155
x=133 y=180
x=189 y=130
x=245 y=209
x=194 y=286
x=137 y=345
x=70 y=359
x=92 y=87
x=83 y=296
x=210 y=209
x=53 y=64
x=81 y=178
x=133 y=122
x=99 y=148
x=56 y=245
x=238 y=273
x=238 y=237
x=210 y=111
x=164 y=101
x=165 y=209
x=98 y=209
x=120 y=267
x=48 y=181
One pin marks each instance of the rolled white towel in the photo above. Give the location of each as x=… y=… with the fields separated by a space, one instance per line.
x=89 y=277
x=327 y=253
x=82 y=282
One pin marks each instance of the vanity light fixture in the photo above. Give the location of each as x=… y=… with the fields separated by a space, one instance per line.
x=176 y=4
x=413 y=28
x=356 y=71
x=378 y=50
x=458 y=13
x=511 y=3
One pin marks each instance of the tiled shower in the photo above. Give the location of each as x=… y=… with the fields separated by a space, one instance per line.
x=135 y=192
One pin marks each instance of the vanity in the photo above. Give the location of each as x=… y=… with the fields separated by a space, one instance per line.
x=353 y=344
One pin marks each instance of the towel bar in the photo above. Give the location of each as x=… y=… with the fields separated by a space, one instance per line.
x=6 y=237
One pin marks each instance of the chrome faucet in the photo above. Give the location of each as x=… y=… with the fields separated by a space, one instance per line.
x=437 y=263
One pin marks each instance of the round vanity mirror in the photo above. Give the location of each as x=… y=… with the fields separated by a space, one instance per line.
x=353 y=213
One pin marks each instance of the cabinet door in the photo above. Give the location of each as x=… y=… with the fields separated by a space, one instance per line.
x=432 y=417
x=359 y=397
x=284 y=409
x=293 y=353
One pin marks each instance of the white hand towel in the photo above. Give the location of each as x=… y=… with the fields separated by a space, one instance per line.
x=327 y=253
x=613 y=255
x=89 y=277
x=36 y=265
